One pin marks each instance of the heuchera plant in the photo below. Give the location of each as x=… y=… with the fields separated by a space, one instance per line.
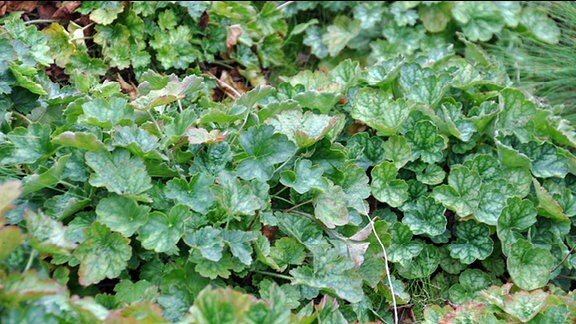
x=325 y=198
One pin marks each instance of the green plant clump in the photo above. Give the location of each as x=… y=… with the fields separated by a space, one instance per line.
x=424 y=181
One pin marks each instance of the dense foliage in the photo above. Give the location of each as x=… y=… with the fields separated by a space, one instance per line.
x=141 y=179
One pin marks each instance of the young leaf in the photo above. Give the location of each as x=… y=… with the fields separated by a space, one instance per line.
x=480 y=20
x=472 y=242
x=103 y=254
x=287 y=251
x=525 y=305
x=106 y=113
x=264 y=149
x=303 y=129
x=386 y=188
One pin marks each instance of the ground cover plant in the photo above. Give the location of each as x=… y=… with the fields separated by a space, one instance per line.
x=305 y=162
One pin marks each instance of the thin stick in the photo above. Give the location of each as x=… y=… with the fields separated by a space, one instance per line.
x=284 y=5
x=389 y=277
x=223 y=84
x=564 y=259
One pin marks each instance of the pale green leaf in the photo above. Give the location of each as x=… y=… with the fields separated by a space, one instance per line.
x=386 y=188
x=121 y=214
x=118 y=172
x=330 y=207
x=529 y=266
x=103 y=254
x=421 y=266
x=265 y=149
x=304 y=177
x=425 y=216
x=462 y=193
x=378 y=109
x=425 y=142
x=162 y=232
x=194 y=193
x=472 y=242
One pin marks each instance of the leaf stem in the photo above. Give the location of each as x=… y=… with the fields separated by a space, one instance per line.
x=388 y=275
x=40 y=21
x=276 y=275
x=154 y=121
x=30 y=260
x=564 y=259
x=282 y=198
x=298 y=205
x=284 y=5
x=23 y=117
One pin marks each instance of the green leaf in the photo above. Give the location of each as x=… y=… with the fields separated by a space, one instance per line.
x=386 y=188
x=79 y=140
x=10 y=238
x=480 y=20
x=208 y=241
x=546 y=160
x=239 y=244
x=287 y=251
x=330 y=207
x=516 y=217
x=121 y=214
x=214 y=269
x=118 y=172
x=471 y=282
x=517 y=114
x=103 y=254
x=106 y=113
x=340 y=34
x=27 y=286
x=425 y=142
x=423 y=86
x=304 y=177
x=525 y=305
x=365 y=150
x=397 y=150
x=425 y=216
x=540 y=25
x=264 y=149
x=435 y=17
x=423 y=265
x=235 y=197
x=368 y=13
x=529 y=266
x=449 y=264
x=547 y=206
x=49 y=178
x=378 y=109
x=194 y=193
x=220 y=305
x=29 y=145
x=303 y=129
x=432 y=175
x=356 y=188
x=472 y=242
x=138 y=141
x=301 y=228
x=47 y=235
x=462 y=192
x=403 y=248
x=332 y=272
x=107 y=12
x=128 y=292
x=162 y=232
